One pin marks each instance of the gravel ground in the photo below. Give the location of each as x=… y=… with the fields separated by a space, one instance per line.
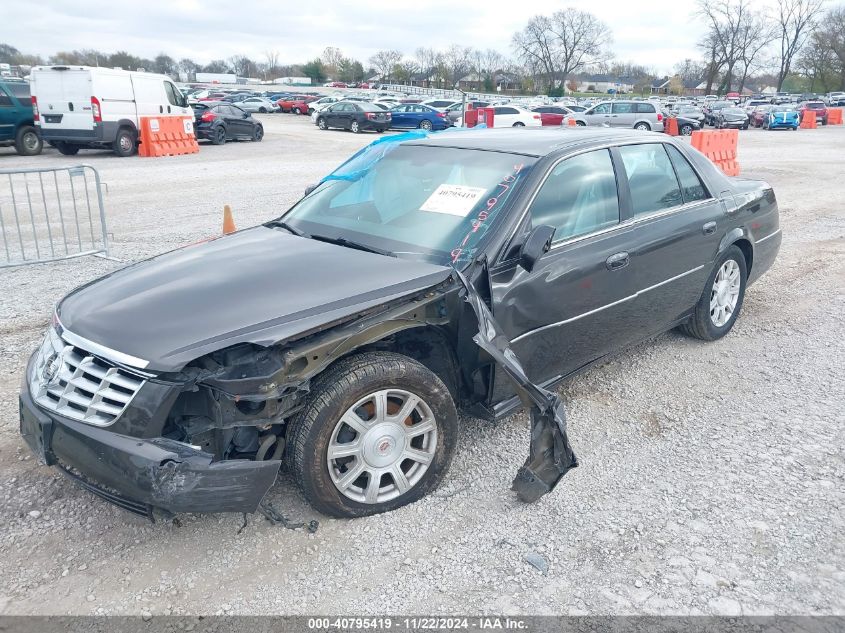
x=711 y=476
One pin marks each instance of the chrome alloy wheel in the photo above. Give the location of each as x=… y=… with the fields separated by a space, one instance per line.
x=382 y=446
x=725 y=293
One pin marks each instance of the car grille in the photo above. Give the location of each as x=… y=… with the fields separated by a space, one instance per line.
x=77 y=385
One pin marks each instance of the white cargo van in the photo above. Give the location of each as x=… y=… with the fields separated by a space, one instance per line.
x=83 y=106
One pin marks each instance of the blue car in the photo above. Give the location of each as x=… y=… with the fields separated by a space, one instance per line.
x=780 y=117
x=416 y=115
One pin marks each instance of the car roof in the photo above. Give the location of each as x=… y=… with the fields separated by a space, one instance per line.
x=532 y=141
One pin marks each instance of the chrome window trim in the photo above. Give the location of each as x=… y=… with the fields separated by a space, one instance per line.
x=621 y=225
x=101 y=350
x=606 y=306
x=763 y=239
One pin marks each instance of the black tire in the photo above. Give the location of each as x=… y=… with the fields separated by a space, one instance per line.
x=701 y=325
x=581 y=123
x=686 y=130
x=335 y=391
x=262 y=110
x=125 y=143
x=643 y=127
x=66 y=149
x=425 y=124
x=28 y=141
x=518 y=124
x=297 y=110
x=321 y=123
x=355 y=127
x=219 y=136
x=258 y=133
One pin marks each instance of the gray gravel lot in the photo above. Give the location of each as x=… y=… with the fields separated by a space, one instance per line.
x=711 y=476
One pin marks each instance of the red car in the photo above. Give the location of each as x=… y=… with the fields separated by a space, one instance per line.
x=337 y=84
x=818 y=107
x=552 y=115
x=759 y=114
x=298 y=104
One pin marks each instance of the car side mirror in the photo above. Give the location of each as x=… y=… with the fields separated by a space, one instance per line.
x=537 y=244
x=311 y=188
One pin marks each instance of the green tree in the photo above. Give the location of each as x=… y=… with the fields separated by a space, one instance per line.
x=315 y=70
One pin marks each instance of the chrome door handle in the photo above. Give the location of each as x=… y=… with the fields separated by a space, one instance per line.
x=709 y=228
x=617 y=261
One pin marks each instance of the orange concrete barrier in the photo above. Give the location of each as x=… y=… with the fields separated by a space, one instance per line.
x=720 y=146
x=834 y=116
x=167 y=136
x=228 y=220
x=808 y=120
x=671 y=127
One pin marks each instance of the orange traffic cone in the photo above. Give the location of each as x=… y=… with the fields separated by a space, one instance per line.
x=228 y=221
x=571 y=122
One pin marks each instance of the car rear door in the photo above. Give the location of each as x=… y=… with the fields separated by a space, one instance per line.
x=678 y=224
x=399 y=116
x=504 y=116
x=576 y=304
x=622 y=114
x=64 y=101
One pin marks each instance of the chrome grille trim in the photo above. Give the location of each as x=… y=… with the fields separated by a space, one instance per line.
x=74 y=383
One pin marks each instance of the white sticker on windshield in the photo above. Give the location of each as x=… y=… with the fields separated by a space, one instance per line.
x=453 y=199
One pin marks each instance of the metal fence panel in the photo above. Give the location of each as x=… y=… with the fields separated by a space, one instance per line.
x=51 y=214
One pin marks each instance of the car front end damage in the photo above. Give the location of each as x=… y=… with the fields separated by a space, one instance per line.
x=210 y=436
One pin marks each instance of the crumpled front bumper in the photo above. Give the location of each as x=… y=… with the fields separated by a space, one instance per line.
x=143 y=475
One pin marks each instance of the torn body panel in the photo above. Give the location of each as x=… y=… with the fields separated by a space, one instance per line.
x=550 y=455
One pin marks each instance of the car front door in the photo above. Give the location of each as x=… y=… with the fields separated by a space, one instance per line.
x=598 y=115
x=399 y=116
x=676 y=222
x=576 y=303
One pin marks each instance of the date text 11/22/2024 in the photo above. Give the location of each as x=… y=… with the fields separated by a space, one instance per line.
x=418 y=623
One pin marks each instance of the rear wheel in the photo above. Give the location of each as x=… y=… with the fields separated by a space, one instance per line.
x=581 y=123
x=355 y=127
x=125 y=143
x=262 y=110
x=28 y=142
x=686 y=129
x=66 y=149
x=378 y=432
x=643 y=127
x=720 y=303
x=425 y=124
x=519 y=124
x=219 y=136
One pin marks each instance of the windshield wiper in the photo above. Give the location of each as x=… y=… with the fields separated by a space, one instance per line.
x=287 y=227
x=342 y=241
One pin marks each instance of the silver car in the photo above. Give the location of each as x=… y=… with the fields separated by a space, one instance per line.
x=639 y=115
x=258 y=104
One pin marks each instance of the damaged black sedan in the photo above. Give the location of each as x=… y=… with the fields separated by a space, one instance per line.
x=466 y=270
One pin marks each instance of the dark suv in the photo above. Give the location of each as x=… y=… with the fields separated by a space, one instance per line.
x=17 y=126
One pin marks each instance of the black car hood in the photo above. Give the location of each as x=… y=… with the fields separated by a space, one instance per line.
x=260 y=285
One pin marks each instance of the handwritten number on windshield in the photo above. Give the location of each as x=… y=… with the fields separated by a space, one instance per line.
x=502 y=188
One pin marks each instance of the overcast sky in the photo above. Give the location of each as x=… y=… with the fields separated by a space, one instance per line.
x=655 y=34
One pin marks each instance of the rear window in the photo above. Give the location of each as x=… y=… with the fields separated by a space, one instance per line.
x=368 y=107
x=19 y=89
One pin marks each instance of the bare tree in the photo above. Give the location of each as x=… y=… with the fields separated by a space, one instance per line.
x=796 y=20
x=727 y=22
x=562 y=44
x=755 y=36
x=270 y=68
x=456 y=60
x=384 y=61
x=331 y=59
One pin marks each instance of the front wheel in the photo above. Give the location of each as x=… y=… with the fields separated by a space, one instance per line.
x=378 y=432
x=297 y=111
x=720 y=303
x=519 y=124
x=321 y=123
x=28 y=142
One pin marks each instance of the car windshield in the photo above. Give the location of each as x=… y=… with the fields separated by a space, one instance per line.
x=415 y=201
x=733 y=111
